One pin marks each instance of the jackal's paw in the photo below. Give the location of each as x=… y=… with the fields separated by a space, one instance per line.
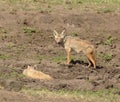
x=89 y=65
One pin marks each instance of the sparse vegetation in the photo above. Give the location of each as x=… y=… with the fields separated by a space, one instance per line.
x=59 y=59
x=30 y=30
x=11 y=75
x=106 y=56
x=109 y=40
x=3 y=30
x=4 y=36
x=3 y=33
x=75 y=34
x=19 y=49
x=84 y=96
x=3 y=56
x=111 y=5
x=61 y=1
x=106 y=10
x=10 y=45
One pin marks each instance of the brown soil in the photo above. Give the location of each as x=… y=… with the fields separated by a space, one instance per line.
x=20 y=47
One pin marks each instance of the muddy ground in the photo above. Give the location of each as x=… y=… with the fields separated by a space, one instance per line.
x=26 y=39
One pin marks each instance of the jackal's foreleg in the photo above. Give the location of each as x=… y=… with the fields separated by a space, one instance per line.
x=68 y=56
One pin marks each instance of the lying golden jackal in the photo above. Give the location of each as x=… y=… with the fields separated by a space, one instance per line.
x=32 y=73
x=69 y=43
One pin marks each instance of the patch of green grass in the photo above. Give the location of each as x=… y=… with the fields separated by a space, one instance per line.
x=19 y=49
x=3 y=33
x=96 y=1
x=62 y=1
x=4 y=56
x=106 y=56
x=106 y=10
x=75 y=34
x=11 y=75
x=4 y=36
x=51 y=5
x=3 y=30
x=109 y=40
x=19 y=1
x=59 y=59
x=55 y=2
x=30 y=30
x=10 y=45
x=84 y=96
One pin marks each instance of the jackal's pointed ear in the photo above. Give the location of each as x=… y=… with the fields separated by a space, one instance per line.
x=28 y=67
x=63 y=33
x=55 y=33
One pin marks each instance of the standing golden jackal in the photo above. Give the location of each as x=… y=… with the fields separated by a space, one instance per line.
x=32 y=73
x=69 y=43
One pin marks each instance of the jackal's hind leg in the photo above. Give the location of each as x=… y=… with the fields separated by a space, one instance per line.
x=91 y=58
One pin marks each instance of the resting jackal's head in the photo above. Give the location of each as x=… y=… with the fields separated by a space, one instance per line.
x=59 y=37
x=28 y=69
